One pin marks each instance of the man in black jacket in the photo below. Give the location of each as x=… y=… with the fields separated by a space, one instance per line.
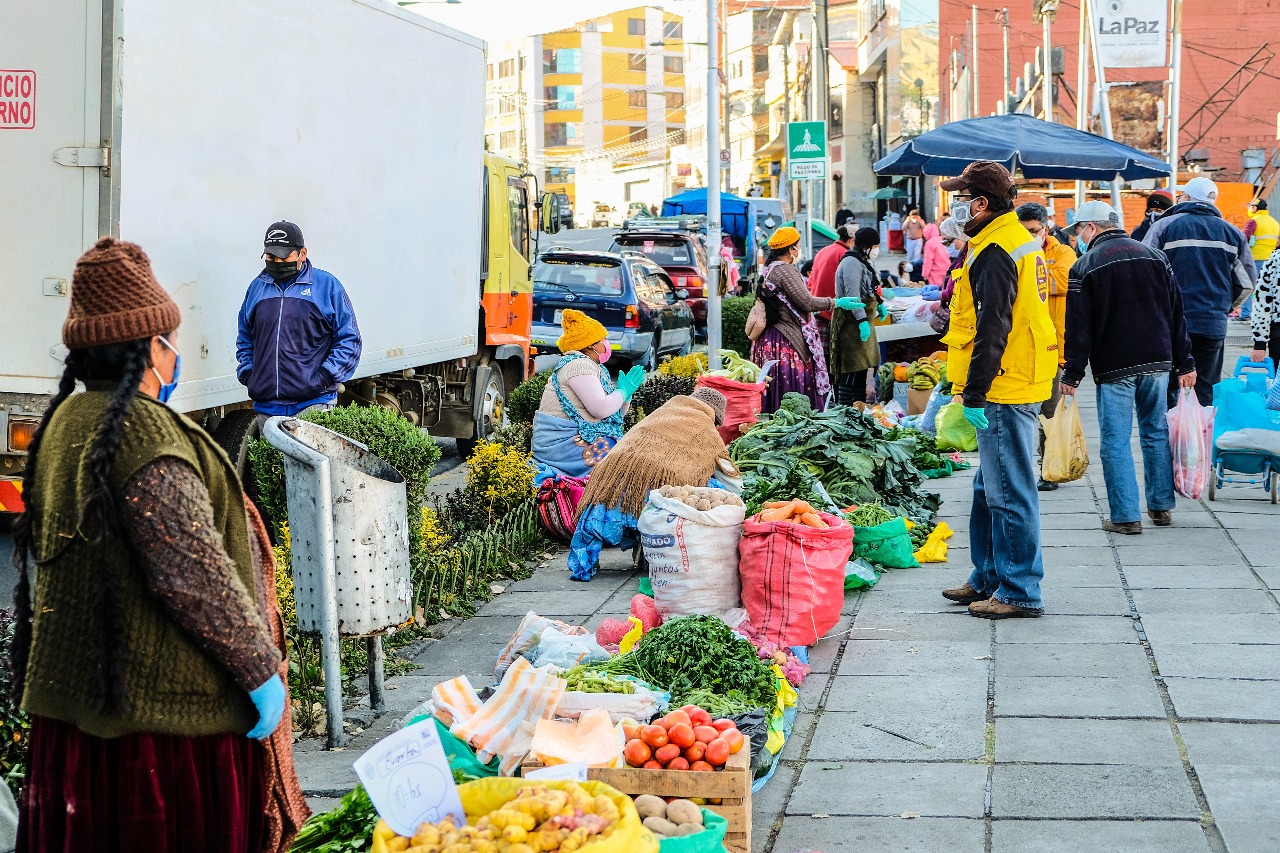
x=1124 y=315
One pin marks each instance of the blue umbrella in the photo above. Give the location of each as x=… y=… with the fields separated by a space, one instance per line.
x=1039 y=149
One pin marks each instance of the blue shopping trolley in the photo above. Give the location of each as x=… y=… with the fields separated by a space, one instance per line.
x=1241 y=404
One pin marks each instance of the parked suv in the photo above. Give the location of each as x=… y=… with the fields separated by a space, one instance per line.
x=679 y=250
x=645 y=314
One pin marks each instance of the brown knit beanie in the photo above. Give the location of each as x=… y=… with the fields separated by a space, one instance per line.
x=115 y=298
x=712 y=398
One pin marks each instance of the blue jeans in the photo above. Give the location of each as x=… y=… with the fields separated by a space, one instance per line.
x=1004 y=524
x=1116 y=402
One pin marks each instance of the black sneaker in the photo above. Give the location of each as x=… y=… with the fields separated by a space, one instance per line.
x=1046 y=486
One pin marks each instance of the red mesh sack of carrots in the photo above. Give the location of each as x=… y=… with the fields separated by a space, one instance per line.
x=742 y=403
x=791 y=560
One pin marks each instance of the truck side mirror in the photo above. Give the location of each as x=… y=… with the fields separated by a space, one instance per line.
x=549 y=213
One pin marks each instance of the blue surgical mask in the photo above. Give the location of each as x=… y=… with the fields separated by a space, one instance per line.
x=167 y=388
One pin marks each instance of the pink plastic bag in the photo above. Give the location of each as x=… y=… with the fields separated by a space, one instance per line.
x=1190 y=444
x=793 y=577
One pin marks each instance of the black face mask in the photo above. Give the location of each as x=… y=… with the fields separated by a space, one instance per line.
x=282 y=270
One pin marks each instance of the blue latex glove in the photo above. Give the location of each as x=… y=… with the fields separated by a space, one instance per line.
x=269 y=700
x=864 y=330
x=977 y=417
x=886 y=293
x=881 y=311
x=849 y=303
x=630 y=381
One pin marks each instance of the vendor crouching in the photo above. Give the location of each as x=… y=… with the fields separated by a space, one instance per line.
x=677 y=445
x=580 y=417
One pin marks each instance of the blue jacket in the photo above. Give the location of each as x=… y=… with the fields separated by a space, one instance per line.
x=1211 y=260
x=297 y=340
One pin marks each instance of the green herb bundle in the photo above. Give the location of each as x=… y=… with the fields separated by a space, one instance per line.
x=345 y=829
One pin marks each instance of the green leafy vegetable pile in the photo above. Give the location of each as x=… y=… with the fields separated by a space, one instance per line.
x=345 y=829
x=855 y=459
x=692 y=654
x=927 y=456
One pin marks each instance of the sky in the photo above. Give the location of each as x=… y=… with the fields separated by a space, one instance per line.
x=497 y=21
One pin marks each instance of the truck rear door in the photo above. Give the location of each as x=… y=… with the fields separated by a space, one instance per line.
x=49 y=121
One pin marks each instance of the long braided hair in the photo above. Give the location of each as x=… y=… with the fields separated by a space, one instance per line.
x=98 y=522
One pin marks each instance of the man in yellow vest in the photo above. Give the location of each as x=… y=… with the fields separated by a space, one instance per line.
x=1262 y=231
x=1002 y=357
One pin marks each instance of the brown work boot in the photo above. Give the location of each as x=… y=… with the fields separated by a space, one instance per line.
x=1128 y=528
x=963 y=595
x=994 y=609
x=1161 y=517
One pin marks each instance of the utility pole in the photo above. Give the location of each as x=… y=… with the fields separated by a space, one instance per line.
x=524 y=142
x=823 y=93
x=1175 y=96
x=1004 y=25
x=1048 y=9
x=976 y=98
x=712 y=284
x=783 y=179
x=1082 y=83
x=1104 y=98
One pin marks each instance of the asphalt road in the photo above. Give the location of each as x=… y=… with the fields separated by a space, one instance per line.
x=592 y=239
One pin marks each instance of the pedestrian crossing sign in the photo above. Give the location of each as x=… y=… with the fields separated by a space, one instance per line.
x=806 y=150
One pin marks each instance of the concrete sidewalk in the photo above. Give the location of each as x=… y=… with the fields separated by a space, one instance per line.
x=1142 y=712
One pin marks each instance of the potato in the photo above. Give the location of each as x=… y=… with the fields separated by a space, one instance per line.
x=660 y=826
x=689 y=829
x=683 y=811
x=650 y=806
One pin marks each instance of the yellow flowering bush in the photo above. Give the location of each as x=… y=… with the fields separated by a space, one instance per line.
x=284 y=579
x=685 y=366
x=500 y=475
x=433 y=538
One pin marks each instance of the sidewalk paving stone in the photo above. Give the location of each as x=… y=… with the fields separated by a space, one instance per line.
x=1179 y=536
x=898 y=657
x=889 y=789
x=920 y=835
x=1240 y=793
x=1119 y=660
x=1251 y=836
x=1185 y=555
x=1270 y=576
x=1084 y=601
x=1091 y=791
x=1054 y=628
x=1225 y=699
x=1178 y=601
x=1071 y=696
x=578 y=603
x=1232 y=744
x=1198 y=627
x=1075 y=538
x=1061 y=741
x=956 y=626
x=1109 y=836
x=1216 y=660
x=905 y=695
x=882 y=732
x=1190 y=577
x=1061 y=558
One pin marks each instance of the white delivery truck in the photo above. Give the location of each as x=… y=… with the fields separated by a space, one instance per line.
x=189 y=127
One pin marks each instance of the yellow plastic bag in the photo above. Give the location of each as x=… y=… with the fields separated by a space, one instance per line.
x=1066 y=457
x=934 y=549
x=488 y=795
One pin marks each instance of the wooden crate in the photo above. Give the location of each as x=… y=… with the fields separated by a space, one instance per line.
x=731 y=785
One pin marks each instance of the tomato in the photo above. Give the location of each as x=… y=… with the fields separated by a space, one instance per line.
x=636 y=752
x=678 y=763
x=718 y=752
x=723 y=725
x=681 y=734
x=699 y=717
x=735 y=739
x=652 y=765
x=631 y=731
x=655 y=736
x=696 y=751
x=706 y=734
x=670 y=720
x=701 y=766
x=664 y=754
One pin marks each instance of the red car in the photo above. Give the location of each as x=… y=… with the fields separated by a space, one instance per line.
x=681 y=254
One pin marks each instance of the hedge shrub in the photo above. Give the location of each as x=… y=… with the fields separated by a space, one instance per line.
x=733 y=323
x=525 y=398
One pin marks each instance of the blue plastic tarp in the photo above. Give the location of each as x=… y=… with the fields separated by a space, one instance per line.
x=1040 y=150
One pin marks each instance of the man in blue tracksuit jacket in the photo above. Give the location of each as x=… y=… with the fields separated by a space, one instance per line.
x=298 y=336
x=1214 y=267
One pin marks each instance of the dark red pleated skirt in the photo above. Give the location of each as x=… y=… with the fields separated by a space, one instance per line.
x=141 y=793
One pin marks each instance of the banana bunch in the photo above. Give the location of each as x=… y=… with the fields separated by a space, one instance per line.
x=924 y=374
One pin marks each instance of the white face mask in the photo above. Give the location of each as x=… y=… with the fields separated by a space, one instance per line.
x=960 y=212
x=874 y=253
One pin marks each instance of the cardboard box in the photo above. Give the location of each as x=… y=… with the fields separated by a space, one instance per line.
x=917 y=400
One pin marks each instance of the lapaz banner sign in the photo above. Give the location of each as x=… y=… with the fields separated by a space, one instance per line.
x=1131 y=33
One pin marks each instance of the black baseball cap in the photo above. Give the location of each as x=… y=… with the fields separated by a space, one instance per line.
x=282 y=239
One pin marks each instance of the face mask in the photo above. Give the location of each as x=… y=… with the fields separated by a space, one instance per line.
x=167 y=388
x=282 y=270
x=604 y=356
x=874 y=253
x=961 y=213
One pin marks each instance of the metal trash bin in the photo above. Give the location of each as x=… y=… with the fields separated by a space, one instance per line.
x=349 y=536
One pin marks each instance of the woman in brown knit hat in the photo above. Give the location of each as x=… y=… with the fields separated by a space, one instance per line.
x=143 y=652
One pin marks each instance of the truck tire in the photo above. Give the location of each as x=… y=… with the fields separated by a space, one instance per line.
x=493 y=412
x=236 y=430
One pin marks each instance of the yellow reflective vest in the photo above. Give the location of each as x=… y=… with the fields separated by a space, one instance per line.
x=1029 y=365
x=1265 y=234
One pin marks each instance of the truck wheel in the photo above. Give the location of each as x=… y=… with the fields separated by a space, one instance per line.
x=237 y=429
x=493 y=413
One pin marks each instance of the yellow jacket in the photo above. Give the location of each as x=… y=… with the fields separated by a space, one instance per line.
x=1266 y=230
x=1000 y=330
x=1060 y=257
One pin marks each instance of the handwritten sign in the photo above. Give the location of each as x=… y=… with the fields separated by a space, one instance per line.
x=408 y=779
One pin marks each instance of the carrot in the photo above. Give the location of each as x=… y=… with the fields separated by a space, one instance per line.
x=767 y=515
x=775 y=504
x=812 y=519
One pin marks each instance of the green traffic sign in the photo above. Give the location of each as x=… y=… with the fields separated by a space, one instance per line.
x=807 y=149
